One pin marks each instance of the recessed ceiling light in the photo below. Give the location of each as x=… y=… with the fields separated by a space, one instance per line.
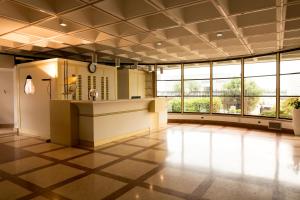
x=219 y=34
x=159 y=44
x=63 y=24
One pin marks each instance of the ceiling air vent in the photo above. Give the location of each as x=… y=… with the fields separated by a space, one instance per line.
x=275 y=125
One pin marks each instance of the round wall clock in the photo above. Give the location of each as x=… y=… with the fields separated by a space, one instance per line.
x=92 y=67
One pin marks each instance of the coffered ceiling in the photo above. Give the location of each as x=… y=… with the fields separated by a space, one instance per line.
x=148 y=30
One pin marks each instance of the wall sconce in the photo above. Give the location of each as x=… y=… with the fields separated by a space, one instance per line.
x=29 y=87
x=161 y=70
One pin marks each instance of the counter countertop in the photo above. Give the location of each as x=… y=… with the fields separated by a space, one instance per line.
x=112 y=101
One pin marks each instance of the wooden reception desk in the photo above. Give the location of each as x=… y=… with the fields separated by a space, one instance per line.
x=92 y=123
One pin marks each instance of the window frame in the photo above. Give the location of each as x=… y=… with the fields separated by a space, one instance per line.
x=196 y=79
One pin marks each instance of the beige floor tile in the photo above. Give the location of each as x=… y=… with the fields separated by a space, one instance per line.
x=11 y=191
x=130 y=169
x=90 y=187
x=24 y=164
x=143 y=194
x=39 y=148
x=160 y=136
x=51 y=175
x=177 y=179
x=12 y=138
x=291 y=195
x=93 y=160
x=7 y=130
x=122 y=150
x=65 y=153
x=153 y=155
x=39 y=198
x=125 y=139
x=226 y=189
x=145 y=142
x=23 y=143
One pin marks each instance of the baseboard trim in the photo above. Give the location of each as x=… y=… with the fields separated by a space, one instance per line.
x=234 y=124
x=6 y=125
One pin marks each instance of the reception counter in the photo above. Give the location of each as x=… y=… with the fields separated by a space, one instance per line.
x=92 y=123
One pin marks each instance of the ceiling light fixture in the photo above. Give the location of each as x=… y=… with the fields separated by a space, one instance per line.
x=219 y=34
x=159 y=44
x=29 y=87
x=62 y=23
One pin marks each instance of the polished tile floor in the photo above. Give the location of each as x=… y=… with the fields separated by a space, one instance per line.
x=185 y=161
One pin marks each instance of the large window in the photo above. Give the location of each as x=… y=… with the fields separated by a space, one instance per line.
x=197 y=88
x=261 y=97
x=289 y=81
x=260 y=86
x=169 y=85
x=227 y=87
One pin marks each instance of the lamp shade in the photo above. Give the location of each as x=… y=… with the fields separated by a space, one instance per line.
x=29 y=87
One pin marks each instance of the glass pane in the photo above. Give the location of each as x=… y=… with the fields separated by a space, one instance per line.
x=260 y=106
x=227 y=69
x=286 y=110
x=290 y=85
x=197 y=71
x=290 y=62
x=197 y=88
x=260 y=86
x=168 y=88
x=227 y=87
x=174 y=104
x=227 y=105
x=197 y=104
x=259 y=66
x=168 y=72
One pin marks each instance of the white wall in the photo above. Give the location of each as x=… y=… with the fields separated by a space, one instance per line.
x=6 y=96
x=6 y=89
x=34 y=111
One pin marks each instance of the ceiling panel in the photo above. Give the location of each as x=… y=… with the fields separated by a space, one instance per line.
x=126 y=8
x=293 y=11
x=55 y=24
x=38 y=32
x=242 y=6
x=90 y=16
x=186 y=40
x=9 y=25
x=256 y=18
x=292 y=34
x=260 y=29
x=17 y=11
x=121 y=29
x=154 y=22
x=22 y=38
x=116 y=42
x=197 y=12
x=93 y=35
x=144 y=30
x=174 y=3
x=217 y=25
x=52 y=6
x=144 y=38
x=175 y=32
x=221 y=35
x=67 y=39
x=292 y=25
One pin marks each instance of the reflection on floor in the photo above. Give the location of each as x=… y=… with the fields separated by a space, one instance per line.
x=181 y=162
